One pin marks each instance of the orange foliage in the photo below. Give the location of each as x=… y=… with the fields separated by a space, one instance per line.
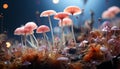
x=94 y=53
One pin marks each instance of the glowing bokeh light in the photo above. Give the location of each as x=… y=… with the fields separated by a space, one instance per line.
x=8 y=44
x=55 y=1
x=5 y=6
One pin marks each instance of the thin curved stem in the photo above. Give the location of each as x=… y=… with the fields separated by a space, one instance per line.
x=51 y=29
x=44 y=36
x=31 y=39
x=35 y=39
x=73 y=32
x=48 y=42
x=32 y=45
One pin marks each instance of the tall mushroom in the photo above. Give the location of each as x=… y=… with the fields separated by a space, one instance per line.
x=73 y=10
x=48 y=13
x=60 y=16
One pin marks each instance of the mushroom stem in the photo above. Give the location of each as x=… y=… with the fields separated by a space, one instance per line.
x=35 y=40
x=73 y=34
x=32 y=45
x=48 y=42
x=62 y=37
x=114 y=32
x=25 y=39
x=46 y=38
x=107 y=35
x=31 y=39
x=51 y=29
x=22 y=40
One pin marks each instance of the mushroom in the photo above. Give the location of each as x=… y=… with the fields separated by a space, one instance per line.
x=114 y=29
x=73 y=10
x=32 y=26
x=66 y=22
x=60 y=16
x=43 y=29
x=23 y=31
x=114 y=9
x=108 y=15
x=48 y=13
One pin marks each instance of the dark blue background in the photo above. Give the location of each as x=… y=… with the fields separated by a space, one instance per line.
x=20 y=12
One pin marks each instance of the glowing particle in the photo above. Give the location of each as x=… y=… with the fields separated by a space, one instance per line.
x=5 y=6
x=55 y=1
